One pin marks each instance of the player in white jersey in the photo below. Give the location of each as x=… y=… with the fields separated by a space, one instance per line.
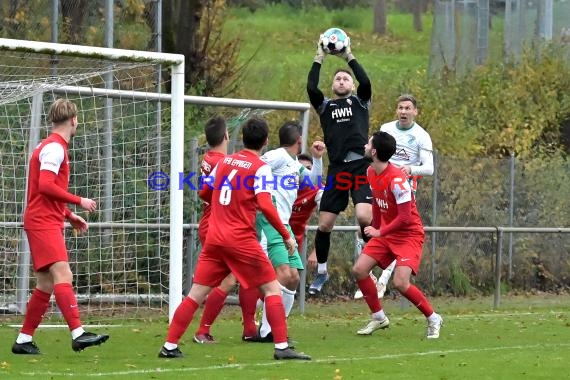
x=289 y=175
x=414 y=156
x=414 y=149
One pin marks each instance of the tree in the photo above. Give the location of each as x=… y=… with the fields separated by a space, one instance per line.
x=180 y=26
x=194 y=28
x=380 y=21
x=417 y=9
x=73 y=13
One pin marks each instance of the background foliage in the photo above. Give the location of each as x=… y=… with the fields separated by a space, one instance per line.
x=263 y=50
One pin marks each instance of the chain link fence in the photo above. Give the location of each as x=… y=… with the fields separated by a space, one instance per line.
x=470 y=32
x=475 y=193
x=126 y=24
x=486 y=193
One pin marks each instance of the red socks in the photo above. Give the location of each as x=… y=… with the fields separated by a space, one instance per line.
x=276 y=317
x=368 y=289
x=248 y=303
x=181 y=319
x=67 y=303
x=212 y=308
x=37 y=307
x=415 y=296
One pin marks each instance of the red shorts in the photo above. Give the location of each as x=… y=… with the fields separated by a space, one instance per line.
x=47 y=247
x=246 y=261
x=407 y=251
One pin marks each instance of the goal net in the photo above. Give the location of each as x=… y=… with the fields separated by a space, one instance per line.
x=129 y=262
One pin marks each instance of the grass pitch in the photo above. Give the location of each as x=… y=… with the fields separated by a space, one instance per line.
x=528 y=337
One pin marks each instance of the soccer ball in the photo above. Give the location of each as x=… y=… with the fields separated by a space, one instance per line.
x=334 y=41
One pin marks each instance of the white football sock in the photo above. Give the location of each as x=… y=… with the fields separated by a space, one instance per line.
x=264 y=327
x=379 y=315
x=170 y=346
x=386 y=273
x=322 y=268
x=77 y=332
x=288 y=299
x=23 y=338
x=434 y=317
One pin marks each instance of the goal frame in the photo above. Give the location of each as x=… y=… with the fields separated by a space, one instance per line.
x=176 y=64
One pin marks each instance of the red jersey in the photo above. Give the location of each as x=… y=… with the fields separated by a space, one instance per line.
x=232 y=217
x=209 y=162
x=307 y=200
x=46 y=208
x=390 y=189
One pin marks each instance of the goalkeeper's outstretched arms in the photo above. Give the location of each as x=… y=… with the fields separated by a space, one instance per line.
x=364 y=90
x=316 y=96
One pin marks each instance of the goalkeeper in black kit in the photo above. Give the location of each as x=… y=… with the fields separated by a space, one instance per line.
x=345 y=123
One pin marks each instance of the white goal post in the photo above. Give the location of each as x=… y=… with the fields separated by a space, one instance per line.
x=32 y=74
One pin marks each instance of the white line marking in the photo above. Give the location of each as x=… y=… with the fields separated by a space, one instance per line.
x=276 y=363
x=65 y=326
x=447 y=316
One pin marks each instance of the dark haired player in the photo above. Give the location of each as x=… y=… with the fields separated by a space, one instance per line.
x=396 y=233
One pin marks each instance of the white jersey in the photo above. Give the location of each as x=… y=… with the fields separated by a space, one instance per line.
x=413 y=147
x=287 y=172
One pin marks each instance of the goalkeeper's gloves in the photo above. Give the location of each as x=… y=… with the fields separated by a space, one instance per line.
x=320 y=55
x=347 y=53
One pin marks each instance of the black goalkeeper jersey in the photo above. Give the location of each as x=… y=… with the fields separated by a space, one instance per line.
x=345 y=121
x=345 y=125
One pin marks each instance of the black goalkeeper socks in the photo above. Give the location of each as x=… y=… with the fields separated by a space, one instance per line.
x=322 y=246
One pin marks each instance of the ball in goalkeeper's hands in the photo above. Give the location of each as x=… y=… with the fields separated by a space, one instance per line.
x=334 y=41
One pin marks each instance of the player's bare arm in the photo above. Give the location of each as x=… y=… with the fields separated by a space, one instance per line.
x=78 y=223
x=88 y=204
x=371 y=231
x=291 y=245
x=312 y=260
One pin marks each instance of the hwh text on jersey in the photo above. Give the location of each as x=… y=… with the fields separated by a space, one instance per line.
x=382 y=203
x=340 y=113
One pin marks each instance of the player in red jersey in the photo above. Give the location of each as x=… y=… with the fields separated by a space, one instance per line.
x=396 y=233
x=46 y=210
x=217 y=137
x=240 y=188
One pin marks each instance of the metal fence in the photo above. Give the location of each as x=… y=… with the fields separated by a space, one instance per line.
x=477 y=211
x=467 y=33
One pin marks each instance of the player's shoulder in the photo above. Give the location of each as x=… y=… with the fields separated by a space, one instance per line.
x=419 y=130
x=275 y=154
x=354 y=98
x=52 y=146
x=255 y=161
x=421 y=133
x=393 y=169
x=394 y=172
x=212 y=157
x=389 y=126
